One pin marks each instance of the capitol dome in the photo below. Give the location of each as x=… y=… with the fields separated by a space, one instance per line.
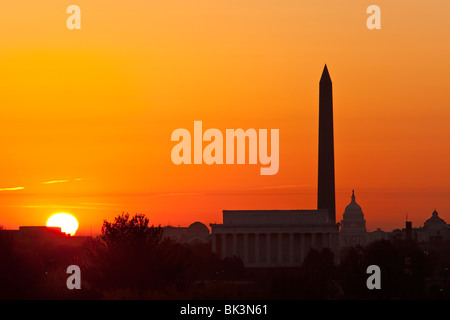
x=353 y=226
x=353 y=210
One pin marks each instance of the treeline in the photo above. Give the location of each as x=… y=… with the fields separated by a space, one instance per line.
x=132 y=260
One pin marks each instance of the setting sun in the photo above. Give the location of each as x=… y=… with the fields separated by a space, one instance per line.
x=65 y=221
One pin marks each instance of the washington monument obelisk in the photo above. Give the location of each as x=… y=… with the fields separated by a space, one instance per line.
x=326 y=185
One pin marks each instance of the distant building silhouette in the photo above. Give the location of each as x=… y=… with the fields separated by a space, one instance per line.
x=436 y=226
x=434 y=230
x=42 y=235
x=377 y=235
x=353 y=225
x=279 y=238
x=196 y=232
x=408 y=231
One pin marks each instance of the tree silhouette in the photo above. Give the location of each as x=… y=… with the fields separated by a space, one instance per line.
x=352 y=274
x=21 y=270
x=232 y=268
x=130 y=254
x=318 y=273
x=134 y=232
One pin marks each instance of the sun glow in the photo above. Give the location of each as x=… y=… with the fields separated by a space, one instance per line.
x=65 y=221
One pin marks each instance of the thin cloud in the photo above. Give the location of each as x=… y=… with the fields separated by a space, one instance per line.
x=63 y=180
x=278 y=187
x=177 y=194
x=54 y=181
x=12 y=189
x=99 y=204
x=54 y=207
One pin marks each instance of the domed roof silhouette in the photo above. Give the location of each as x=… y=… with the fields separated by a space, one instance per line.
x=434 y=220
x=353 y=210
x=198 y=227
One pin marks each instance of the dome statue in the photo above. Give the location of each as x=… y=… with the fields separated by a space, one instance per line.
x=435 y=221
x=353 y=210
x=353 y=225
x=435 y=228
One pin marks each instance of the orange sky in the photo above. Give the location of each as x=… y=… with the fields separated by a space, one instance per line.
x=93 y=109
